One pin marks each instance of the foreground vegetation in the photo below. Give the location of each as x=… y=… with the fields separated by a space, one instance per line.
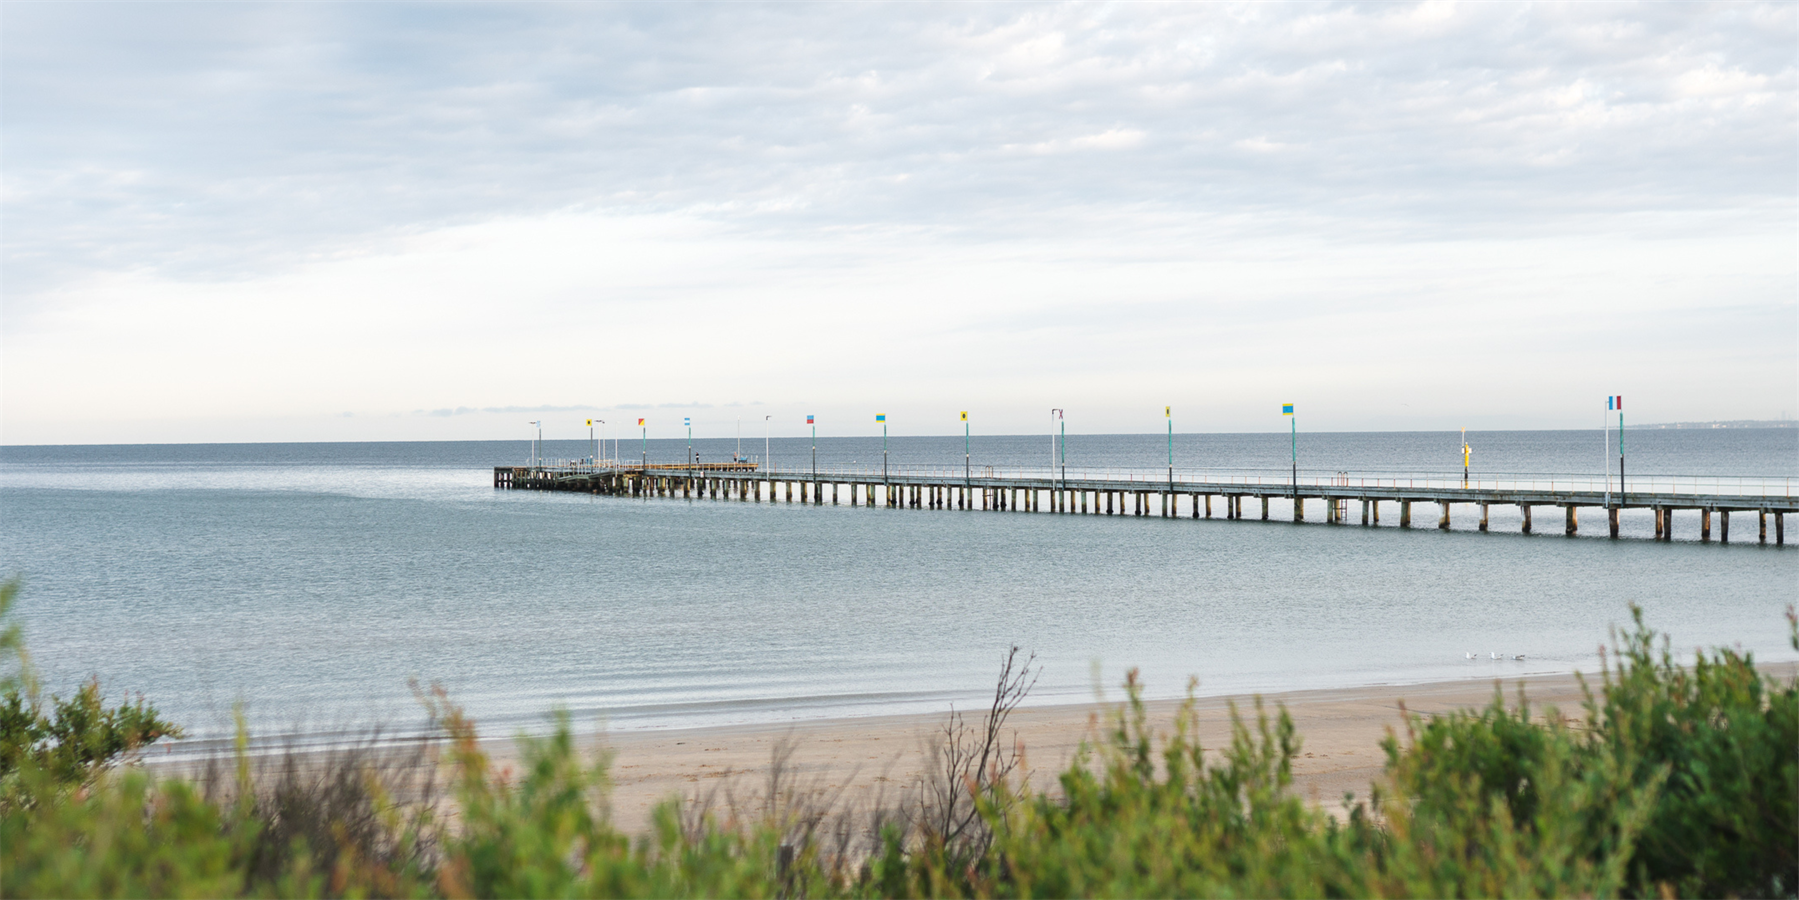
x=1676 y=780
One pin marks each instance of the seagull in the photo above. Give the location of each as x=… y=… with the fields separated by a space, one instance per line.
x=1519 y=656
x=1494 y=655
x=1467 y=656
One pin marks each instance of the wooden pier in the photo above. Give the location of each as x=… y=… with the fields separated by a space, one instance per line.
x=1182 y=495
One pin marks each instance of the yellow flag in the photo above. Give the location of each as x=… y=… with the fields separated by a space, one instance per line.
x=965 y=415
x=590 y=423
x=1168 y=412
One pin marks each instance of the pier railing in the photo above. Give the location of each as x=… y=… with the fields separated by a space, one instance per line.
x=1757 y=485
x=1188 y=477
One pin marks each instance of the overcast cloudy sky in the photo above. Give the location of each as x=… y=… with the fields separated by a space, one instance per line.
x=311 y=221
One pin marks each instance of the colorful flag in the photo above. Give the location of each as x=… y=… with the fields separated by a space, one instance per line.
x=880 y=417
x=686 y=421
x=640 y=421
x=1620 y=401
x=1168 y=412
x=808 y=420
x=1286 y=409
x=590 y=423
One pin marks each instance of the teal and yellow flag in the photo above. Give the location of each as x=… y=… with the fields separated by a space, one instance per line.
x=1286 y=409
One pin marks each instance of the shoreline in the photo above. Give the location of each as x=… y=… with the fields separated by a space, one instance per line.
x=863 y=760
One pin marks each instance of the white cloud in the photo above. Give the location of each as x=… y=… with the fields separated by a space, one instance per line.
x=428 y=195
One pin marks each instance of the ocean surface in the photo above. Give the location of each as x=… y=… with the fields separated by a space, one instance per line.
x=312 y=581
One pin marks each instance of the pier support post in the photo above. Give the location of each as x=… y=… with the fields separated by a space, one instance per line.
x=1483 y=517
x=1443 y=520
x=1374 y=508
x=1194 y=499
x=1364 y=512
x=1780 y=528
x=1525 y=509
x=1724 y=526
x=1299 y=509
x=1705 y=524
x=1573 y=523
x=1611 y=515
x=1264 y=499
x=1208 y=506
x=1762 y=519
x=1405 y=514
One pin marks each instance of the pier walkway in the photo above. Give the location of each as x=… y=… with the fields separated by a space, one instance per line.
x=1187 y=493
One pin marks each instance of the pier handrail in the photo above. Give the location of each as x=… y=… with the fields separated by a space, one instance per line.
x=1251 y=480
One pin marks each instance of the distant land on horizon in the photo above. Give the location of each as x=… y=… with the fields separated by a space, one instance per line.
x=1727 y=423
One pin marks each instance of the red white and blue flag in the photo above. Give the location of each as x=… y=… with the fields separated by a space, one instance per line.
x=808 y=420
x=1616 y=401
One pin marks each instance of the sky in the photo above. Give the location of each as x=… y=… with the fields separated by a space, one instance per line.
x=401 y=221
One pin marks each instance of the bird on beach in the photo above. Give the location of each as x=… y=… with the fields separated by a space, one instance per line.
x=1519 y=656
x=1495 y=656
x=1467 y=655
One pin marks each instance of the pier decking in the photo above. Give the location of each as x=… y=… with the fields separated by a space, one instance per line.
x=1187 y=494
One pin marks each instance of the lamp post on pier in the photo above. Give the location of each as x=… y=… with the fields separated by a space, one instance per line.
x=882 y=418
x=766 y=459
x=967 y=465
x=1168 y=413
x=537 y=447
x=1287 y=410
x=646 y=445
x=1466 y=453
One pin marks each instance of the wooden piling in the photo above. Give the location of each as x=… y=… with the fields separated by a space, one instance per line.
x=1405 y=513
x=1443 y=520
x=1705 y=524
x=1724 y=526
x=1299 y=509
x=1483 y=516
x=1611 y=516
x=1780 y=528
x=1525 y=509
x=1761 y=517
x=1573 y=524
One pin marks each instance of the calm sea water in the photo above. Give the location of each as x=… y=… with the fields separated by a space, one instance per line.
x=311 y=581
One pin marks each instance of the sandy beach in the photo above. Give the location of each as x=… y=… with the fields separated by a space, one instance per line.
x=863 y=758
